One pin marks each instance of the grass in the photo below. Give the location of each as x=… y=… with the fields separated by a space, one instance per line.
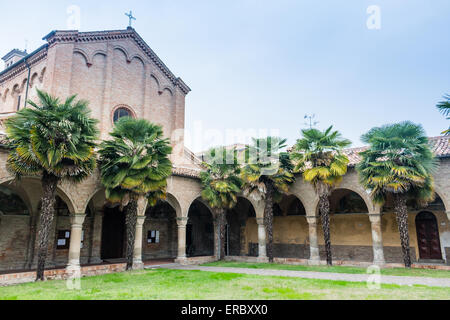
x=197 y=285
x=335 y=269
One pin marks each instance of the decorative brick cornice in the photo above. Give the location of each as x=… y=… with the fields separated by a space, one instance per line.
x=77 y=37
x=186 y=172
x=20 y=66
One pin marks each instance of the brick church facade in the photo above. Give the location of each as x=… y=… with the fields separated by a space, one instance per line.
x=120 y=75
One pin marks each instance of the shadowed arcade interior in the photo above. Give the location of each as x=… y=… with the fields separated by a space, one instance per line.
x=199 y=231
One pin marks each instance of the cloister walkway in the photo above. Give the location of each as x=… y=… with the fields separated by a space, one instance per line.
x=398 y=280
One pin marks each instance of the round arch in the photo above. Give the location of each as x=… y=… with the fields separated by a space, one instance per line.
x=124 y=51
x=160 y=232
x=82 y=53
x=96 y=197
x=344 y=200
x=172 y=200
x=371 y=208
x=122 y=110
x=292 y=205
x=139 y=58
x=444 y=199
x=59 y=192
x=239 y=219
x=14 y=200
x=199 y=230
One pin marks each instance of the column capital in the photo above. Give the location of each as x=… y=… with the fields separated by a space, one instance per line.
x=142 y=205
x=77 y=219
x=140 y=220
x=311 y=219
x=375 y=217
x=182 y=221
x=260 y=221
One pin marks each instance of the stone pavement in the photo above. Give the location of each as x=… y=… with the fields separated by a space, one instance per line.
x=398 y=280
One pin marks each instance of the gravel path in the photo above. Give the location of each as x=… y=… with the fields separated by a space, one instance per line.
x=399 y=280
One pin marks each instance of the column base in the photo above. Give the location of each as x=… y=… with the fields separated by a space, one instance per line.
x=138 y=265
x=181 y=260
x=379 y=263
x=73 y=264
x=314 y=262
x=262 y=259
x=73 y=271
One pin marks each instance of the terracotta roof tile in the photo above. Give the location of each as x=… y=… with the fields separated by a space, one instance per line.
x=439 y=145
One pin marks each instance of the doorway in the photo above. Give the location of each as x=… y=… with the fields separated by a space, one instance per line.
x=428 y=236
x=113 y=234
x=199 y=231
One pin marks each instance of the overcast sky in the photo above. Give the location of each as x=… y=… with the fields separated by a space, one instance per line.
x=256 y=65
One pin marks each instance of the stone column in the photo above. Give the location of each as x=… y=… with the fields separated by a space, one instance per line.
x=377 y=239
x=96 y=241
x=137 y=253
x=181 y=223
x=76 y=221
x=448 y=215
x=314 y=256
x=262 y=254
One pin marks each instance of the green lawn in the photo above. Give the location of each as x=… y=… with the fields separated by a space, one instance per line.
x=198 y=285
x=336 y=269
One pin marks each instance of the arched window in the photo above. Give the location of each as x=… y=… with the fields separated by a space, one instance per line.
x=11 y=203
x=121 y=112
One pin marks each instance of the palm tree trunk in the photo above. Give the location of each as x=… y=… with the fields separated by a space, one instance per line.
x=130 y=223
x=219 y=233
x=49 y=184
x=324 y=209
x=223 y=225
x=268 y=222
x=401 y=213
x=216 y=234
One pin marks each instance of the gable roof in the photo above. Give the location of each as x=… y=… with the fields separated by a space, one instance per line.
x=58 y=36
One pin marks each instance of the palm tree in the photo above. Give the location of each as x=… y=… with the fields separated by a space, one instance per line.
x=134 y=164
x=54 y=141
x=444 y=107
x=399 y=163
x=267 y=176
x=220 y=186
x=318 y=155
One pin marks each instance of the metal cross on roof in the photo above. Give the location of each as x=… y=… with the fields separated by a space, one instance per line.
x=130 y=16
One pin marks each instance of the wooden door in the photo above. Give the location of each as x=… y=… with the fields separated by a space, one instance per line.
x=428 y=236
